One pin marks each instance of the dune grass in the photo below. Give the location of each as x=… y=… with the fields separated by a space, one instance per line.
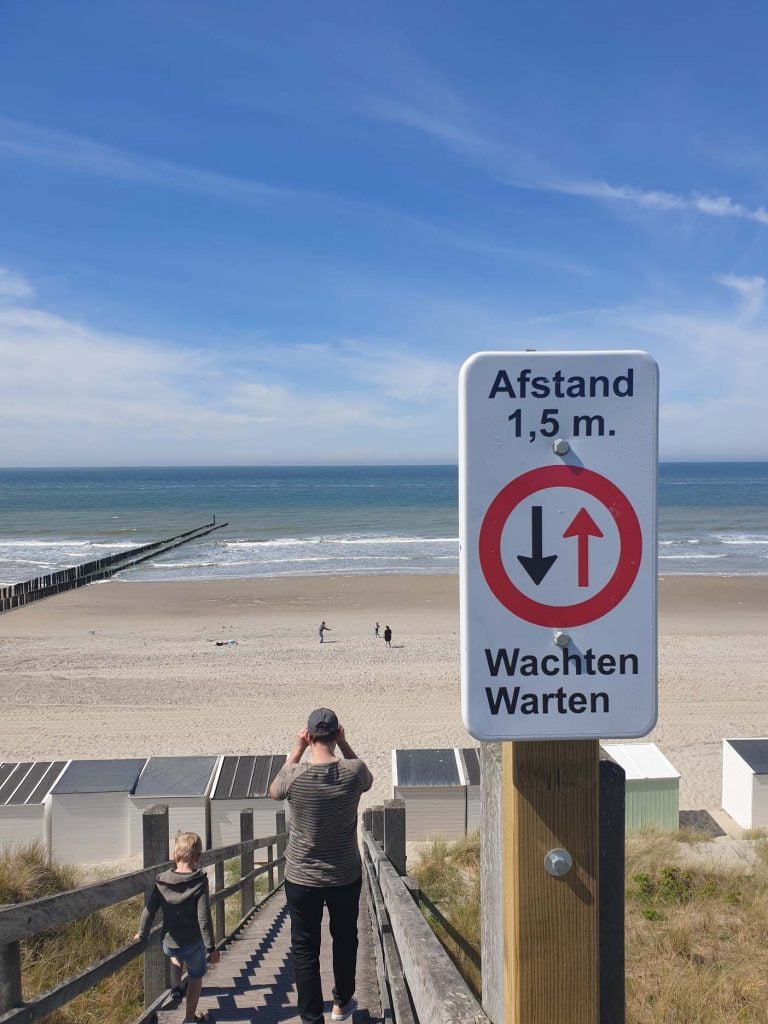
x=696 y=937
x=53 y=956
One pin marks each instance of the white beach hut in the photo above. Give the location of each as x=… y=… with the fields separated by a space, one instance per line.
x=470 y=764
x=431 y=782
x=745 y=781
x=652 y=785
x=24 y=801
x=242 y=782
x=183 y=784
x=90 y=810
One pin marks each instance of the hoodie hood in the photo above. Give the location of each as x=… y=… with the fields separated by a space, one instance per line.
x=177 y=887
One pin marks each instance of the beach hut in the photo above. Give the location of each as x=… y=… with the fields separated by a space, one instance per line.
x=745 y=781
x=652 y=785
x=90 y=810
x=24 y=801
x=243 y=782
x=431 y=783
x=470 y=762
x=183 y=784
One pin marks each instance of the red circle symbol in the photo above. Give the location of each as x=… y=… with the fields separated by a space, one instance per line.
x=630 y=549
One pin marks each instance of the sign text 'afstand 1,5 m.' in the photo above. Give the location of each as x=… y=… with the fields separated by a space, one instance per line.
x=558 y=454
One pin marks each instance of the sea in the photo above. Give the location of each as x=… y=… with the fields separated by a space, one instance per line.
x=352 y=520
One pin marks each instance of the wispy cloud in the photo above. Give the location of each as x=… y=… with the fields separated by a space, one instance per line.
x=653 y=199
x=752 y=293
x=74 y=394
x=458 y=135
x=14 y=286
x=86 y=156
x=521 y=168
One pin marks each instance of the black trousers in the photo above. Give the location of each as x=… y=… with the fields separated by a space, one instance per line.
x=305 y=905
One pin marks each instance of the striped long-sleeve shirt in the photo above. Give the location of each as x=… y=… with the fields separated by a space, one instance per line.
x=323 y=800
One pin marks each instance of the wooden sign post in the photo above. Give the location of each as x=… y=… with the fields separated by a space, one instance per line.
x=557 y=483
x=539 y=931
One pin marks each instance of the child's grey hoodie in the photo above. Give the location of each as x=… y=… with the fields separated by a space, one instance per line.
x=183 y=899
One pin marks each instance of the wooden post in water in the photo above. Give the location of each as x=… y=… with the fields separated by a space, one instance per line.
x=155 y=829
x=539 y=930
x=246 y=861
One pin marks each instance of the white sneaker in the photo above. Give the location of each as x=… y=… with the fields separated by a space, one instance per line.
x=346 y=1011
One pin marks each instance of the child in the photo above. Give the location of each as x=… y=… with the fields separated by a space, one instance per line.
x=182 y=895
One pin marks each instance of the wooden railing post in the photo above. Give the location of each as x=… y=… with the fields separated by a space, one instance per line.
x=367 y=818
x=394 y=834
x=271 y=872
x=282 y=842
x=10 y=977
x=377 y=823
x=246 y=861
x=220 y=909
x=155 y=835
x=611 y=893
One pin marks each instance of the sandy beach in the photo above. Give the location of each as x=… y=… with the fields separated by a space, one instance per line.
x=128 y=669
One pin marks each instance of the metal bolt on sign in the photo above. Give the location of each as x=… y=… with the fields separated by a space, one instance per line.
x=561 y=447
x=561 y=639
x=558 y=863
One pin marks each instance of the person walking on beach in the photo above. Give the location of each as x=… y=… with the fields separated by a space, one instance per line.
x=376 y=629
x=387 y=636
x=182 y=896
x=321 y=629
x=322 y=862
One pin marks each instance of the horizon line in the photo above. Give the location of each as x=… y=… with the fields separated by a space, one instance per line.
x=342 y=465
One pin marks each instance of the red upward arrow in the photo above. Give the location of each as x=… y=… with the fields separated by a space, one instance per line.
x=583 y=527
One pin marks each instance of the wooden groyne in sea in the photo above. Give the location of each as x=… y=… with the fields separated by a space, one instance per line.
x=19 y=594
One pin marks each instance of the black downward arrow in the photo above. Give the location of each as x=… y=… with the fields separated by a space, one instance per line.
x=536 y=565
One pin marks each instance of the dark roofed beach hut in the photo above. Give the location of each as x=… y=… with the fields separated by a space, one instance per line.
x=90 y=810
x=242 y=783
x=184 y=785
x=431 y=782
x=25 y=806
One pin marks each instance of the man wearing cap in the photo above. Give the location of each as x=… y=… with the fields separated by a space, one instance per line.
x=322 y=862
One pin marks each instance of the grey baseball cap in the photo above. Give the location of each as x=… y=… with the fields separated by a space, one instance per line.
x=323 y=721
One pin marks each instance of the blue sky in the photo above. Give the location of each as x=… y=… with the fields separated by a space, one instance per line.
x=255 y=232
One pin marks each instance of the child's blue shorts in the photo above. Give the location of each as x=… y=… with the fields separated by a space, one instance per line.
x=193 y=955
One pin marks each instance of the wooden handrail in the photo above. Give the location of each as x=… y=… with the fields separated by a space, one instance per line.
x=23 y=920
x=438 y=992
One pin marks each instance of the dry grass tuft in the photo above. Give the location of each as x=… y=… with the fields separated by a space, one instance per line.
x=54 y=956
x=696 y=941
x=696 y=938
x=449 y=875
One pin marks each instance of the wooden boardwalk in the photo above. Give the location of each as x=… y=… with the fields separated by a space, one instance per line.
x=253 y=982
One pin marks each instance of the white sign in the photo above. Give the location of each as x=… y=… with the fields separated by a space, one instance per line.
x=557 y=484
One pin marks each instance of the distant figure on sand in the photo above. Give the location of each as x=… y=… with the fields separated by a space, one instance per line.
x=376 y=629
x=322 y=862
x=321 y=629
x=182 y=896
x=387 y=636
